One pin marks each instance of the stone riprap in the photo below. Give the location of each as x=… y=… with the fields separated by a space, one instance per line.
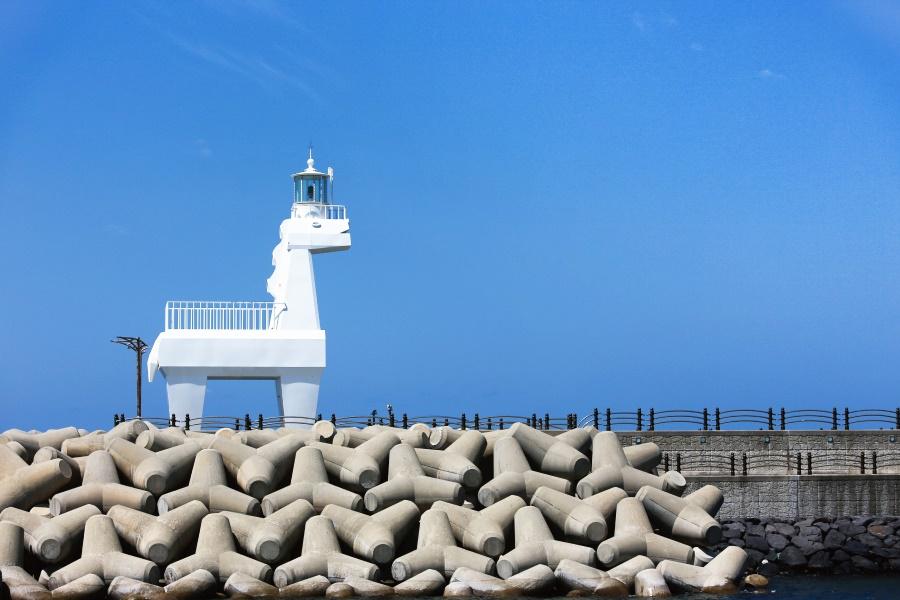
x=145 y=512
x=819 y=545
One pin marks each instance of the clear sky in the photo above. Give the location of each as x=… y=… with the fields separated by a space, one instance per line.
x=554 y=206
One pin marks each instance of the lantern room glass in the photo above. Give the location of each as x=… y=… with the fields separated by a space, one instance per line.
x=311 y=189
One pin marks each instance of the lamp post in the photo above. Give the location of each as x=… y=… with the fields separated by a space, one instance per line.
x=139 y=346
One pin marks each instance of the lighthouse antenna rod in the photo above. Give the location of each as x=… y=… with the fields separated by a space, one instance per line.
x=139 y=346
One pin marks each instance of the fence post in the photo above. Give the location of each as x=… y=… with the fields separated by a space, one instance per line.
x=187 y=422
x=546 y=421
x=799 y=464
x=846 y=419
x=237 y=424
x=259 y=421
x=446 y=422
x=501 y=423
x=597 y=418
x=462 y=421
x=319 y=417
x=874 y=462
x=490 y=425
x=783 y=419
x=719 y=421
x=744 y=463
x=731 y=461
x=391 y=421
x=652 y=420
x=678 y=461
x=862 y=463
x=834 y=419
x=405 y=421
x=115 y=419
x=705 y=418
x=333 y=419
x=476 y=423
x=173 y=421
x=433 y=423
x=534 y=420
x=248 y=424
x=666 y=461
x=771 y=419
x=897 y=419
x=574 y=421
x=609 y=419
x=640 y=420
x=809 y=463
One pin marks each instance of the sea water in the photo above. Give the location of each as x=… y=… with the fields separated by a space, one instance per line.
x=799 y=587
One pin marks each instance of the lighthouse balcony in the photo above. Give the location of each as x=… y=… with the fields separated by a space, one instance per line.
x=204 y=315
x=319 y=210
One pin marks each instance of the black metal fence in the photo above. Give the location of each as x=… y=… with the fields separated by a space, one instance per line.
x=785 y=463
x=606 y=419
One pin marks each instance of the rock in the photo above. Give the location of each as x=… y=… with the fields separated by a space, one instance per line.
x=756 y=581
x=850 y=529
x=776 y=541
x=834 y=539
x=754 y=557
x=863 y=564
x=785 y=529
x=756 y=542
x=894 y=564
x=800 y=541
x=854 y=546
x=840 y=555
x=755 y=529
x=870 y=540
x=863 y=521
x=813 y=548
x=813 y=533
x=740 y=543
x=819 y=561
x=880 y=531
x=792 y=557
x=804 y=523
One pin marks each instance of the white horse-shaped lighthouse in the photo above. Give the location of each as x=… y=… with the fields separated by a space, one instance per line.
x=279 y=340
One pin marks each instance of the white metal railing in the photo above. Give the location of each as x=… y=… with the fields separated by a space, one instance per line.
x=317 y=210
x=222 y=316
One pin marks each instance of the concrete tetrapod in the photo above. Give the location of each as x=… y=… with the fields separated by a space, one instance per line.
x=100 y=487
x=311 y=587
x=241 y=585
x=366 y=588
x=199 y=584
x=83 y=588
x=23 y=485
x=416 y=436
x=482 y=531
x=436 y=549
x=634 y=537
x=482 y=584
x=269 y=538
x=719 y=575
x=358 y=467
x=309 y=481
x=32 y=442
x=48 y=453
x=457 y=462
x=123 y=588
x=426 y=583
x=22 y=586
x=514 y=476
x=626 y=571
x=217 y=553
x=101 y=554
x=85 y=445
x=321 y=555
x=156 y=472
x=533 y=581
x=610 y=468
x=575 y=518
x=549 y=455
x=373 y=537
x=161 y=439
x=644 y=456
x=408 y=481
x=680 y=518
x=650 y=583
x=50 y=539
x=578 y=576
x=209 y=485
x=258 y=471
x=535 y=545
x=163 y=538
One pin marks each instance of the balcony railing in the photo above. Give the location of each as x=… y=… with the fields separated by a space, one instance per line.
x=222 y=316
x=317 y=210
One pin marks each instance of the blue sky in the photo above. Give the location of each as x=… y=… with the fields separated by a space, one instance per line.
x=554 y=206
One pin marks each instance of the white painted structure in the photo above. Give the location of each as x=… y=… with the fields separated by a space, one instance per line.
x=279 y=340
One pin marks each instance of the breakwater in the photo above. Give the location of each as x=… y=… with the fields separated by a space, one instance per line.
x=825 y=545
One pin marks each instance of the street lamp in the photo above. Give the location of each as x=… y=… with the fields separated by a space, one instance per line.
x=139 y=346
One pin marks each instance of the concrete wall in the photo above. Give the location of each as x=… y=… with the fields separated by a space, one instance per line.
x=792 y=497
